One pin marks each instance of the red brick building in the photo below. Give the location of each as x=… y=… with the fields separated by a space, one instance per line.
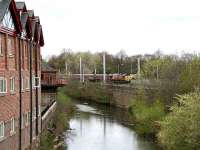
x=21 y=37
x=51 y=80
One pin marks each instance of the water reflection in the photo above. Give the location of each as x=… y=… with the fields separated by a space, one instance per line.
x=98 y=129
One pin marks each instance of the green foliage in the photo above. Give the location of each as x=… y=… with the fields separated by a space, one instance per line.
x=63 y=111
x=190 y=77
x=146 y=116
x=89 y=91
x=181 y=128
x=46 y=142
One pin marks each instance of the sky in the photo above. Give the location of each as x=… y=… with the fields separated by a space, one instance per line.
x=136 y=26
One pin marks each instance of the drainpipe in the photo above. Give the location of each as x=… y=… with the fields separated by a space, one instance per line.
x=31 y=89
x=37 y=90
x=20 y=94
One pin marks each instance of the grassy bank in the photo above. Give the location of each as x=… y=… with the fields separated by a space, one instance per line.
x=53 y=136
x=89 y=91
x=172 y=128
x=146 y=116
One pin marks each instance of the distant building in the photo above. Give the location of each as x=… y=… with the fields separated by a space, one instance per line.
x=21 y=37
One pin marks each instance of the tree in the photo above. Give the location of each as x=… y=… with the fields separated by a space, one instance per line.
x=181 y=128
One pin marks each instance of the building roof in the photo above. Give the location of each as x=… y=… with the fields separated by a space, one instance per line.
x=33 y=23
x=46 y=67
x=20 y=5
x=4 y=4
x=23 y=19
x=31 y=13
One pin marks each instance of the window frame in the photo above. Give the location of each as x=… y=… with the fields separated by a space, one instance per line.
x=12 y=89
x=27 y=84
x=22 y=83
x=12 y=126
x=27 y=118
x=36 y=84
x=3 y=129
x=4 y=80
x=22 y=121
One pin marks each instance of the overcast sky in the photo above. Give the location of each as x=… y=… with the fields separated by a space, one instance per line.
x=137 y=26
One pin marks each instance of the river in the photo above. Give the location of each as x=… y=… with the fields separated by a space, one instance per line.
x=97 y=127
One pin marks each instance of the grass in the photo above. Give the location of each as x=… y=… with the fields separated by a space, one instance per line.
x=146 y=116
x=64 y=110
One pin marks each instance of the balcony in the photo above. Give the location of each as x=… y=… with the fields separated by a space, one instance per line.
x=54 y=82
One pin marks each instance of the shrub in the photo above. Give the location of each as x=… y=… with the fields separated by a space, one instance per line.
x=181 y=128
x=146 y=116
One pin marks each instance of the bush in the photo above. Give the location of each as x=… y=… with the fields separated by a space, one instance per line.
x=146 y=116
x=181 y=128
x=46 y=142
x=89 y=91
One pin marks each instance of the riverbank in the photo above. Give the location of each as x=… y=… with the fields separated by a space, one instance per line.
x=151 y=113
x=152 y=119
x=53 y=136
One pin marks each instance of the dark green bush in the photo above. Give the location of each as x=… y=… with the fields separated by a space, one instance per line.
x=146 y=116
x=180 y=130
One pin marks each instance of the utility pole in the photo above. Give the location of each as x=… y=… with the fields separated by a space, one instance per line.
x=95 y=71
x=138 y=73
x=66 y=67
x=131 y=68
x=157 y=76
x=104 y=67
x=80 y=70
x=83 y=77
x=118 y=68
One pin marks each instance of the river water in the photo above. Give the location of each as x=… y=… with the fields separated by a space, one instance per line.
x=97 y=127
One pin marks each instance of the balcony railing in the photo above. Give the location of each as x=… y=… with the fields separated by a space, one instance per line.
x=54 y=82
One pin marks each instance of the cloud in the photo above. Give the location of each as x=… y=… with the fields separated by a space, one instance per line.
x=138 y=26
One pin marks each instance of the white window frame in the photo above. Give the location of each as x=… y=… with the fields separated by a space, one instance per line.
x=12 y=126
x=4 y=79
x=33 y=81
x=39 y=110
x=12 y=83
x=22 y=83
x=3 y=129
x=27 y=84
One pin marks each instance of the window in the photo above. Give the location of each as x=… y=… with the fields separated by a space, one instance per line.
x=1 y=129
x=8 y=21
x=12 y=85
x=22 y=86
x=39 y=110
x=10 y=46
x=37 y=82
x=27 y=84
x=27 y=118
x=3 y=85
x=12 y=129
x=22 y=119
x=33 y=81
